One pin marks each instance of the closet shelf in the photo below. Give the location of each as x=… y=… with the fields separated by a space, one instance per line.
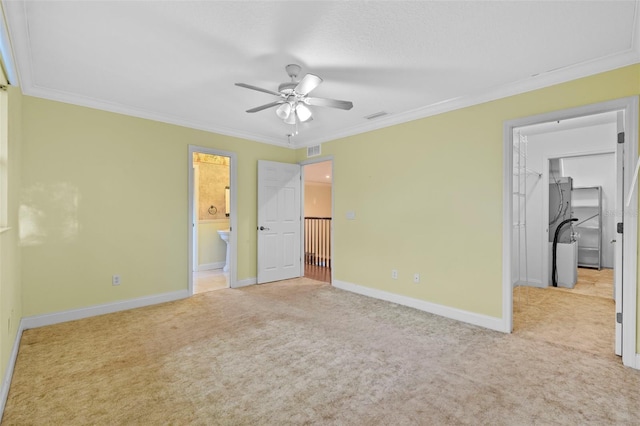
x=586 y=203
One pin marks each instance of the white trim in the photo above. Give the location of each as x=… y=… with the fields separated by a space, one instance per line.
x=630 y=240
x=196 y=209
x=246 y=282
x=637 y=365
x=107 y=308
x=7 y=54
x=530 y=283
x=480 y=320
x=233 y=217
x=210 y=266
x=8 y=374
x=630 y=107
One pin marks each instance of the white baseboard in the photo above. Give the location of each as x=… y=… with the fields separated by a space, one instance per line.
x=245 y=282
x=8 y=374
x=530 y=283
x=637 y=366
x=210 y=266
x=485 y=321
x=107 y=308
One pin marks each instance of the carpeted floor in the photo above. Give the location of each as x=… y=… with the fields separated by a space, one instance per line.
x=303 y=352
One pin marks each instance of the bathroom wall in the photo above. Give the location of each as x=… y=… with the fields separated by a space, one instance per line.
x=317 y=199
x=212 y=251
x=213 y=177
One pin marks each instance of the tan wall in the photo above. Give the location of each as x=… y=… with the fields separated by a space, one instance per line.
x=317 y=200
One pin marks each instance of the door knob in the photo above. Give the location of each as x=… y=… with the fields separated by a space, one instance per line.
x=262 y=228
x=612 y=241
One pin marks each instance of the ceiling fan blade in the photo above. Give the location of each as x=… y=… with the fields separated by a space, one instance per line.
x=260 y=108
x=307 y=84
x=331 y=103
x=259 y=89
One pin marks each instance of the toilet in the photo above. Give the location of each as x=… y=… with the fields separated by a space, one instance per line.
x=224 y=234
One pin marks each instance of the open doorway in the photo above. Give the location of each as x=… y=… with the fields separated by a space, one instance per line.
x=567 y=198
x=317 y=227
x=211 y=232
x=211 y=251
x=564 y=183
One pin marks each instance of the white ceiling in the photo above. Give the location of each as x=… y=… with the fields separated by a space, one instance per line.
x=177 y=61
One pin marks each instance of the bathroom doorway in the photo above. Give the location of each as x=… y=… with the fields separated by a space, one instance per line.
x=566 y=277
x=317 y=227
x=211 y=198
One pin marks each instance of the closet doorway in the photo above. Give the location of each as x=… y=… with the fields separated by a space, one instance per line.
x=570 y=172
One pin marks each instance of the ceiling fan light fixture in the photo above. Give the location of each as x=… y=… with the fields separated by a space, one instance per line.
x=304 y=113
x=291 y=119
x=284 y=111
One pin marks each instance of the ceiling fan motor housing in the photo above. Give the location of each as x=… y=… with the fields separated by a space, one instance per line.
x=293 y=70
x=287 y=88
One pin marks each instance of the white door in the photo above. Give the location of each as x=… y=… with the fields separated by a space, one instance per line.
x=279 y=216
x=618 y=241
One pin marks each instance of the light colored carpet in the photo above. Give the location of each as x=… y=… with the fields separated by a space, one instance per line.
x=303 y=352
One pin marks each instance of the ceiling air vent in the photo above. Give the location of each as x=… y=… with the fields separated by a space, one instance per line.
x=376 y=115
x=313 y=151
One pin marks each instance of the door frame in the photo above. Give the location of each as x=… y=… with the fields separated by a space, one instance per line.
x=303 y=163
x=630 y=246
x=233 y=216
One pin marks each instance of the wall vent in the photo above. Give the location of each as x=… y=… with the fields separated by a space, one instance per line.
x=376 y=115
x=313 y=151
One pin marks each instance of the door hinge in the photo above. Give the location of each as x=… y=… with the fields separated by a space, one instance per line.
x=619 y=317
x=620 y=227
x=621 y=137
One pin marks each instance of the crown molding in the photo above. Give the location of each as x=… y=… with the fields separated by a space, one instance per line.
x=74 y=99
x=540 y=81
x=16 y=14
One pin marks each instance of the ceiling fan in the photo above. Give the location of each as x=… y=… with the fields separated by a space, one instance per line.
x=294 y=97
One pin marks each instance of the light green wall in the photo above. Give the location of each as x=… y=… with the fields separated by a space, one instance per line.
x=129 y=177
x=10 y=286
x=435 y=184
x=428 y=196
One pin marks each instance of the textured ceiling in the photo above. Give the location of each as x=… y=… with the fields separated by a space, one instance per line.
x=177 y=61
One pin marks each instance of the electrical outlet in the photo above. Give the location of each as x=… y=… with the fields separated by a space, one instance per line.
x=416 y=278
x=115 y=280
x=394 y=274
